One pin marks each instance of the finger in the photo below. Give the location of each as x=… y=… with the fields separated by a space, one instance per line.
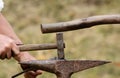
x=15 y=49
x=3 y=55
x=30 y=74
x=9 y=54
x=8 y=51
x=1 y=51
x=38 y=72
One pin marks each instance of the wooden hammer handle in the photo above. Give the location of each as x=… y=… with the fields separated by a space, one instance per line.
x=32 y=47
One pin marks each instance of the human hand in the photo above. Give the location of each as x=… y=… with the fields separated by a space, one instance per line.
x=21 y=57
x=7 y=46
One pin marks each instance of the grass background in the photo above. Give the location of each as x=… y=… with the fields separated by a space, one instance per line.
x=96 y=43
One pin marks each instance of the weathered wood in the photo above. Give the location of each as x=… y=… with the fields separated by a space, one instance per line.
x=80 y=23
x=31 y=47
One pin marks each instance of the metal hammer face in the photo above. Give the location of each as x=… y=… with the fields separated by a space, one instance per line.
x=60 y=46
x=63 y=68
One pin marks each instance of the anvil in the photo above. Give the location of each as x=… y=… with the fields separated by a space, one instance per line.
x=63 y=68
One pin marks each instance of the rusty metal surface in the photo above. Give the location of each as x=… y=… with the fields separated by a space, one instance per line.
x=60 y=45
x=63 y=68
x=80 y=23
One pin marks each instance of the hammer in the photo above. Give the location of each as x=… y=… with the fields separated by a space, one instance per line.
x=46 y=46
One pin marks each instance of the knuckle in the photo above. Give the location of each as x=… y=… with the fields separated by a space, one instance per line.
x=2 y=50
x=8 y=46
x=11 y=42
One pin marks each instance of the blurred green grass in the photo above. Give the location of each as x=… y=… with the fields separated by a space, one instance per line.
x=97 y=43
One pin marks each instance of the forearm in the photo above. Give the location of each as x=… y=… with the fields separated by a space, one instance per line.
x=6 y=29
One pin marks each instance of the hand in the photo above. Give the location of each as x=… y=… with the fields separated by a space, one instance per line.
x=27 y=57
x=6 y=46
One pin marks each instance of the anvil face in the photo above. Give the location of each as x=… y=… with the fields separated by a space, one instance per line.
x=63 y=68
